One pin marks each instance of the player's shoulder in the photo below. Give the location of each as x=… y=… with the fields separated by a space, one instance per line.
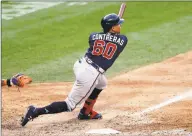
x=93 y=34
x=124 y=37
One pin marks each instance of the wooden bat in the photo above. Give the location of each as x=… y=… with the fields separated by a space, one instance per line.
x=122 y=10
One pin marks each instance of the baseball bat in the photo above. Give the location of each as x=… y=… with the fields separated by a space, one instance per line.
x=122 y=10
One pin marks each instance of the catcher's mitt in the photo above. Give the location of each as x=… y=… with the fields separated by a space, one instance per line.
x=20 y=80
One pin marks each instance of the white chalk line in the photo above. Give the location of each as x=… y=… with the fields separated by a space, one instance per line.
x=185 y=95
x=141 y=115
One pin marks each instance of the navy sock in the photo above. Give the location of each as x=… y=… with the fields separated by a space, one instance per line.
x=55 y=107
x=95 y=94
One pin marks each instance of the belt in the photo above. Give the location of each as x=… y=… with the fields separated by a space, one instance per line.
x=89 y=61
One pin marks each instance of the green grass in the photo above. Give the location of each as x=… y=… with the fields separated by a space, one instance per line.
x=155 y=44
x=46 y=43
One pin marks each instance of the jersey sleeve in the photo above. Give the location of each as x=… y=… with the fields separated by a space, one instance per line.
x=90 y=40
x=125 y=42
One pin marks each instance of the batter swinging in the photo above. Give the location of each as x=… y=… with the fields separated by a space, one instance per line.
x=104 y=49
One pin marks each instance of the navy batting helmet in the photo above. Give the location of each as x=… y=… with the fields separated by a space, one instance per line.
x=110 y=20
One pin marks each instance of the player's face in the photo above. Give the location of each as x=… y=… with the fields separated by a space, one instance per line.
x=116 y=28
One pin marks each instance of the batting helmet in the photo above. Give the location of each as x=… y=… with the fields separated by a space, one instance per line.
x=110 y=20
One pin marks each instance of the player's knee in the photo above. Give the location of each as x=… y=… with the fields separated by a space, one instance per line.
x=104 y=82
x=102 y=85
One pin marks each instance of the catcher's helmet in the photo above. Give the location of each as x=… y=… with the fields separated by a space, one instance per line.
x=110 y=20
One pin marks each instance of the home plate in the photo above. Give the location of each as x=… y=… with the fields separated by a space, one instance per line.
x=103 y=131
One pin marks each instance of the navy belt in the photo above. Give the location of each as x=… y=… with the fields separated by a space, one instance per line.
x=89 y=61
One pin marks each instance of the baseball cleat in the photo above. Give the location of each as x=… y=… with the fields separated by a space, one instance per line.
x=92 y=115
x=97 y=116
x=30 y=115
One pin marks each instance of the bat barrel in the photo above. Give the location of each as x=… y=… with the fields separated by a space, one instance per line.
x=122 y=10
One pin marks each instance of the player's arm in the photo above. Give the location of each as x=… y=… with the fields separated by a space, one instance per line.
x=7 y=82
x=124 y=43
x=90 y=40
x=19 y=80
x=4 y=82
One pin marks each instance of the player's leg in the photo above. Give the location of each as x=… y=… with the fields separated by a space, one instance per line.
x=87 y=111
x=7 y=82
x=79 y=93
x=86 y=78
x=57 y=107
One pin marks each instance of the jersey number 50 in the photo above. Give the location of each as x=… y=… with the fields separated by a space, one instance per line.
x=107 y=52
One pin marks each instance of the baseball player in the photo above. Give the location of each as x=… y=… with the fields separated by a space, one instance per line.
x=19 y=80
x=104 y=49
